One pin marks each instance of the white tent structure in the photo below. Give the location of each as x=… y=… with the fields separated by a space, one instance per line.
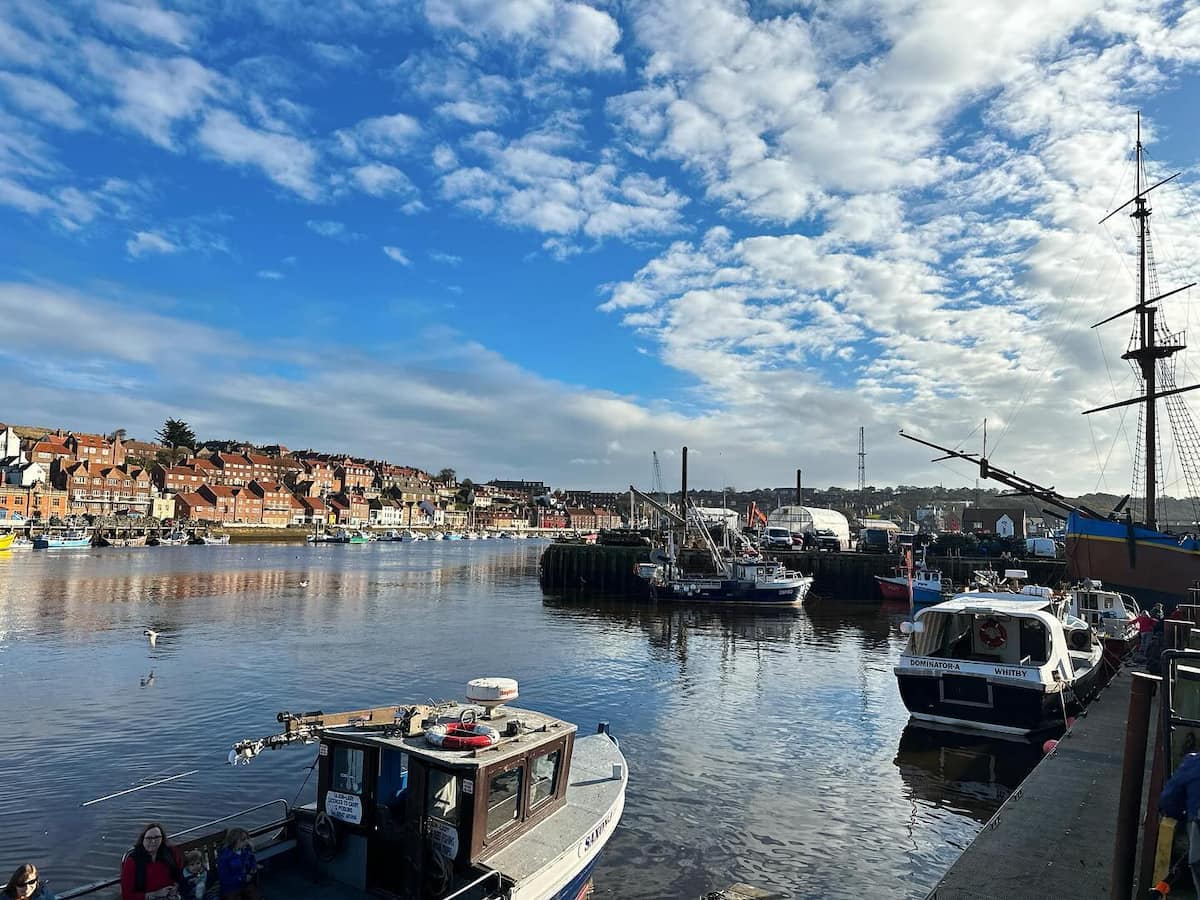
x=716 y=515
x=811 y=518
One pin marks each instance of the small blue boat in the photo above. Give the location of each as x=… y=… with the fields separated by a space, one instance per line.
x=74 y=539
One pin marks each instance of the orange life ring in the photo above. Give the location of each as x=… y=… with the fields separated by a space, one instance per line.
x=993 y=633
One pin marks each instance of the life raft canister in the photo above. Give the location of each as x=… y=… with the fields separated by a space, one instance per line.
x=462 y=735
x=993 y=633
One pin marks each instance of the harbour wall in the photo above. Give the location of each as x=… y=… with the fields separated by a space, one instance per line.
x=599 y=569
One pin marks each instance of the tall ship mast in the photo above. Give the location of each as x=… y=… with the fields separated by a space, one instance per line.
x=1138 y=555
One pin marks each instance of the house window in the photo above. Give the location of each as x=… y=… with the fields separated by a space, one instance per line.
x=504 y=799
x=545 y=777
x=347 y=770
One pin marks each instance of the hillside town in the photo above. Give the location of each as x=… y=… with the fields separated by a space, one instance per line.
x=54 y=475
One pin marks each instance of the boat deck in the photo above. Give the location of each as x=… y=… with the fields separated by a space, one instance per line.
x=1054 y=835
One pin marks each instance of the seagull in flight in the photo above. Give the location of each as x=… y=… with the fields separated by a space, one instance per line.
x=152 y=635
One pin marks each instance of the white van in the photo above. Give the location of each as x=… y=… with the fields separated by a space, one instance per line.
x=1041 y=546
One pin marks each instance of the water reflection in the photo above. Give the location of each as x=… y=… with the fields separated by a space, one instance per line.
x=964 y=773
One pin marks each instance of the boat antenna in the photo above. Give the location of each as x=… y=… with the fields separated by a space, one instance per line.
x=1147 y=352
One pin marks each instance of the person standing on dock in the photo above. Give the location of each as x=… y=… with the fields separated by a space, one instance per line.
x=1180 y=800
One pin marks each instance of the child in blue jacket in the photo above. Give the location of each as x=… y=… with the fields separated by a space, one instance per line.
x=237 y=867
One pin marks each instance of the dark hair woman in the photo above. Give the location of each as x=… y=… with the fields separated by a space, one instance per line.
x=152 y=869
x=25 y=885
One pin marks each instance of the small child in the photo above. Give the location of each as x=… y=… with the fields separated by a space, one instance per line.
x=195 y=876
x=237 y=867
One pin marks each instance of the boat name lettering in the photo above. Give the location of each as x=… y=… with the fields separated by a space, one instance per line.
x=935 y=664
x=586 y=845
x=1010 y=672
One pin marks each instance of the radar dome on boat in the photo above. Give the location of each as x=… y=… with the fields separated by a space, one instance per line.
x=492 y=693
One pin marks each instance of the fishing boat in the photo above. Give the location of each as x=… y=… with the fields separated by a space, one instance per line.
x=1011 y=664
x=209 y=538
x=926 y=585
x=176 y=538
x=471 y=801
x=742 y=579
x=71 y=539
x=1128 y=549
x=7 y=540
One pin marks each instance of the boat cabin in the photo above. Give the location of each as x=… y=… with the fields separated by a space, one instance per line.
x=987 y=634
x=396 y=814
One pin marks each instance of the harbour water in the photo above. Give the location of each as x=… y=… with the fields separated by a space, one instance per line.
x=768 y=747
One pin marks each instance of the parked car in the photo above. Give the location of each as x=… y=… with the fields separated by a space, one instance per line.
x=775 y=538
x=1042 y=546
x=827 y=540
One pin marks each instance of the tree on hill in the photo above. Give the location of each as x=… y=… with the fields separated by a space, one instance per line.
x=176 y=433
x=446 y=476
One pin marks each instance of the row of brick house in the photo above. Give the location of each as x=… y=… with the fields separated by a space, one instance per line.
x=57 y=475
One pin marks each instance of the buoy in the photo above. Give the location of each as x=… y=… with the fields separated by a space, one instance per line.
x=1049 y=746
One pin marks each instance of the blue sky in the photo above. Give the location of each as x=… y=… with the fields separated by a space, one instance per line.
x=541 y=238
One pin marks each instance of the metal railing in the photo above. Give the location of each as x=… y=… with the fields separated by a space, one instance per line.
x=476 y=883
x=258 y=830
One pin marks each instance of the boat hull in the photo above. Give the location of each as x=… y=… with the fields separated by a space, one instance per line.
x=1004 y=708
x=61 y=543
x=1154 y=567
x=896 y=589
x=717 y=590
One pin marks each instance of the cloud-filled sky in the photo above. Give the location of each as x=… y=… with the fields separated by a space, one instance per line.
x=542 y=238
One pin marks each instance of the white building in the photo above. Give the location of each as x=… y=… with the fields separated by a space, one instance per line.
x=811 y=518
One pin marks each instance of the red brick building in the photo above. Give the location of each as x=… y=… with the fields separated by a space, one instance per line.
x=191 y=505
x=95 y=449
x=276 y=503
x=170 y=479
x=223 y=499
x=234 y=469
x=38 y=501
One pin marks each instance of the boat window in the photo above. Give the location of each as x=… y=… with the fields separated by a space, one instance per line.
x=442 y=796
x=504 y=799
x=347 y=769
x=545 y=775
x=1033 y=641
x=393 y=776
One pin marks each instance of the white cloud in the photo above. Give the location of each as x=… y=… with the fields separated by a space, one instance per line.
x=287 y=160
x=152 y=94
x=326 y=227
x=270 y=275
x=397 y=255
x=565 y=35
x=448 y=259
x=378 y=179
x=381 y=136
x=42 y=99
x=338 y=55
x=149 y=242
x=146 y=19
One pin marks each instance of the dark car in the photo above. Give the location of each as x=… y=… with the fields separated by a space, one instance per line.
x=827 y=540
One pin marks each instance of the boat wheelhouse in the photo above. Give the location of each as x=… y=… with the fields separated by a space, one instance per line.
x=475 y=801
x=1011 y=665
x=1111 y=614
x=923 y=588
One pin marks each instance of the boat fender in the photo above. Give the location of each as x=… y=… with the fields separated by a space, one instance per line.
x=993 y=634
x=325 y=838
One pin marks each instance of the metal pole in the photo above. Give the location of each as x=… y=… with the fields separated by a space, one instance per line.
x=1137 y=727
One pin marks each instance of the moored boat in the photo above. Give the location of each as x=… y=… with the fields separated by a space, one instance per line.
x=474 y=801
x=921 y=587
x=71 y=539
x=7 y=540
x=1010 y=664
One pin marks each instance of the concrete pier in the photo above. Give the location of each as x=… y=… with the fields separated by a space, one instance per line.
x=1054 y=835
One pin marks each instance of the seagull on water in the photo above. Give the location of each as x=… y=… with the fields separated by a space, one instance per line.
x=304 y=583
x=152 y=635
x=148 y=680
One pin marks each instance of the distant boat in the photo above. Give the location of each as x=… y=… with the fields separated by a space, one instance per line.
x=6 y=541
x=72 y=539
x=926 y=585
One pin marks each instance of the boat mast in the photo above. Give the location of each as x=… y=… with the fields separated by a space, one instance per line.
x=1148 y=351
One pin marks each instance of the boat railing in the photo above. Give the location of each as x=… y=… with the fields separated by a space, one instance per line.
x=257 y=831
x=481 y=880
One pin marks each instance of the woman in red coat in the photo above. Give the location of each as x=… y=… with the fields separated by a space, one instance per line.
x=152 y=869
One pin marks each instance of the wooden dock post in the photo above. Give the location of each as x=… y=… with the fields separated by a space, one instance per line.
x=1137 y=728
